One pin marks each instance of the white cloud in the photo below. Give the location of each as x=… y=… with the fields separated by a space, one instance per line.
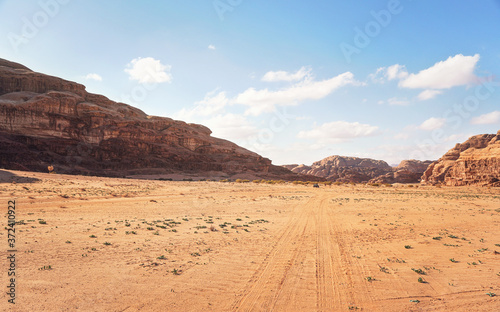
x=378 y=76
x=402 y=136
x=211 y=47
x=338 y=131
x=398 y=102
x=458 y=138
x=273 y=76
x=428 y=94
x=212 y=104
x=262 y=101
x=93 y=76
x=389 y=73
x=148 y=70
x=487 y=119
x=457 y=70
x=432 y=124
x=396 y=71
x=303 y=118
x=231 y=126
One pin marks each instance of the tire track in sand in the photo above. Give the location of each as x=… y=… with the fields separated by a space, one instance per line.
x=272 y=282
x=304 y=271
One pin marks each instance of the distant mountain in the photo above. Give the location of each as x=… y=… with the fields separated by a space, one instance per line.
x=344 y=169
x=408 y=171
x=45 y=120
x=474 y=162
x=353 y=169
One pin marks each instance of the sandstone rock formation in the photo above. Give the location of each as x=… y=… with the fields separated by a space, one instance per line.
x=46 y=120
x=344 y=169
x=408 y=171
x=474 y=162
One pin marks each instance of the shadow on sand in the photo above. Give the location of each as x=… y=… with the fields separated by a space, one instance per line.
x=9 y=177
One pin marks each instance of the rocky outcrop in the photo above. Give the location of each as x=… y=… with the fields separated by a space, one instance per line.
x=408 y=171
x=46 y=120
x=344 y=169
x=474 y=162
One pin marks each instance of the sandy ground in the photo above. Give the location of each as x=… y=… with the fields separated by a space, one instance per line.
x=98 y=244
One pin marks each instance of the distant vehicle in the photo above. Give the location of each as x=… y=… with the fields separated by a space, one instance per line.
x=315 y=185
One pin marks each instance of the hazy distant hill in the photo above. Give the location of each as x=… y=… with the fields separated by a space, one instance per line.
x=344 y=169
x=353 y=169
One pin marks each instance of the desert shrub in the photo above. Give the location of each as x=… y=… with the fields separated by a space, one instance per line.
x=241 y=181
x=419 y=271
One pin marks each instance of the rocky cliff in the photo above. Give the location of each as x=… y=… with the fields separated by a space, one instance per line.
x=408 y=171
x=352 y=169
x=344 y=169
x=46 y=120
x=474 y=162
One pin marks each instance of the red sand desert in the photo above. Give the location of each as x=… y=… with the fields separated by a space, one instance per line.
x=100 y=244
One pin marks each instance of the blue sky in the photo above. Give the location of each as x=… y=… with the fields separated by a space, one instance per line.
x=294 y=81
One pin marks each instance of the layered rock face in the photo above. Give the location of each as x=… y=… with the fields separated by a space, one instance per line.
x=408 y=171
x=46 y=120
x=344 y=169
x=474 y=162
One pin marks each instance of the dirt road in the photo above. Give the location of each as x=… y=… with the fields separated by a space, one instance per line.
x=314 y=266
x=306 y=269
